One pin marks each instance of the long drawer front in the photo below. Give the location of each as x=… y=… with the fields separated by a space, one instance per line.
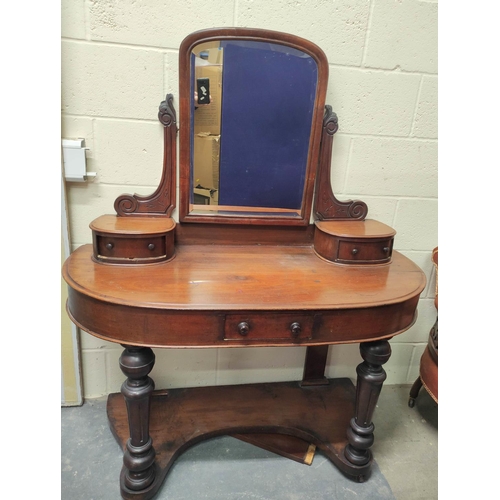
x=269 y=326
x=162 y=328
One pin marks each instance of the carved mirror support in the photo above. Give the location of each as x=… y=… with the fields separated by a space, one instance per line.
x=260 y=182
x=162 y=201
x=273 y=135
x=326 y=206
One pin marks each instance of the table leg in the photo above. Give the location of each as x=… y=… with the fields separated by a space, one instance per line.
x=371 y=376
x=314 y=366
x=139 y=456
x=415 y=389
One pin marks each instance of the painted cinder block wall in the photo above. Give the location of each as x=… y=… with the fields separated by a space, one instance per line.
x=119 y=60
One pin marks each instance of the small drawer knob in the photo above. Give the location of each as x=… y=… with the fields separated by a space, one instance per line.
x=151 y=246
x=355 y=251
x=109 y=246
x=386 y=249
x=295 y=328
x=243 y=328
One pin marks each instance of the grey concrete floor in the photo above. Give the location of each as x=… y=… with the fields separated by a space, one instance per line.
x=405 y=468
x=406 y=443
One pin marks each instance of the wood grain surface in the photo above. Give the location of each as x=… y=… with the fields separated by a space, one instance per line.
x=199 y=298
x=181 y=418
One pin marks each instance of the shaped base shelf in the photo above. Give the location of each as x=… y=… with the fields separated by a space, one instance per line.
x=180 y=418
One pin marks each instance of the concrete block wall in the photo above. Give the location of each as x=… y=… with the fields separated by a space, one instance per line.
x=119 y=60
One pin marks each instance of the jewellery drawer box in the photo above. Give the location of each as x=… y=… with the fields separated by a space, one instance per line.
x=354 y=242
x=132 y=240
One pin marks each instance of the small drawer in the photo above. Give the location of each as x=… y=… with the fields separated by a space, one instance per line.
x=268 y=326
x=358 y=242
x=132 y=240
x=365 y=251
x=127 y=248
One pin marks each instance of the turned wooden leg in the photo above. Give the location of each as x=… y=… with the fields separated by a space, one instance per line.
x=371 y=376
x=139 y=455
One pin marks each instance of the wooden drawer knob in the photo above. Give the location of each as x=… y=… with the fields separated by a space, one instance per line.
x=109 y=246
x=243 y=328
x=295 y=328
x=151 y=246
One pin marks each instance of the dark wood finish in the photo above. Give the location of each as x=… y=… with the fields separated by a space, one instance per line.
x=139 y=454
x=326 y=205
x=371 y=376
x=271 y=290
x=415 y=389
x=285 y=445
x=135 y=240
x=162 y=201
x=252 y=34
x=428 y=369
x=220 y=234
x=428 y=378
x=432 y=342
x=185 y=302
x=429 y=374
x=314 y=365
x=318 y=415
x=357 y=242
x=290 y=327
x=255 y=281
x=290 y=446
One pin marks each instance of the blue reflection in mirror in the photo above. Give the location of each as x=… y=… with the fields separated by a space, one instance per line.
x=267 y=102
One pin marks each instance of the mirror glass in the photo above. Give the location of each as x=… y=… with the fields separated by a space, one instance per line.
x=251 y=108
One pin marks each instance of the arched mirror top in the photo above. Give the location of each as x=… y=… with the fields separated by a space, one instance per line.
x=255 y=134
x=251 y=112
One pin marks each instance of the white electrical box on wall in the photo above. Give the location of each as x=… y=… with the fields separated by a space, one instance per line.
x=75 y=168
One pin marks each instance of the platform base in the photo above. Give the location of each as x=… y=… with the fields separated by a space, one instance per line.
x=180 y=418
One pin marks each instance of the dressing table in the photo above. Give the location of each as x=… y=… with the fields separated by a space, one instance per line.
x=263 y=255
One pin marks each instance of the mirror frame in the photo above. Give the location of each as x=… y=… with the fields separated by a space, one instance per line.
x=257 y=35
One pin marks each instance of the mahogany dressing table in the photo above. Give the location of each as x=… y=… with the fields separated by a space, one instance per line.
x=244 y=266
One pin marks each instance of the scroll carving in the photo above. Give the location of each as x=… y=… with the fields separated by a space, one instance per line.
x=162 y=201
x=326 y=206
